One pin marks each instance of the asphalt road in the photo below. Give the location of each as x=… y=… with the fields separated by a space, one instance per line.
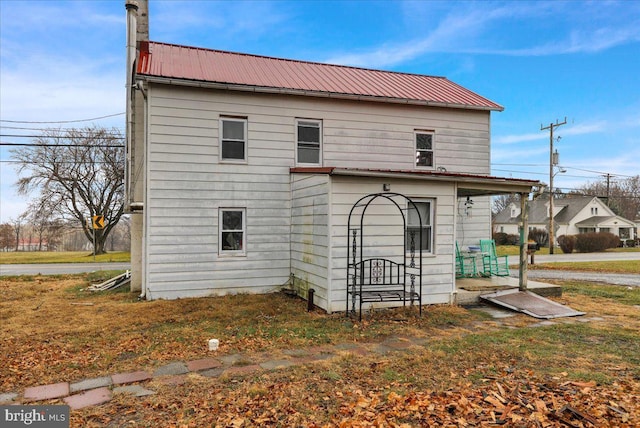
x=60 y=268
x=583 y=257
x=608 y=278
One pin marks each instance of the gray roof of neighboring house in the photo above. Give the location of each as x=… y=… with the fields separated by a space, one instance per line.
x=539 y=212
x=594 y=221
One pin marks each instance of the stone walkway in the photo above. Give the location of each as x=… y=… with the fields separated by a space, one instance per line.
x=99 y=390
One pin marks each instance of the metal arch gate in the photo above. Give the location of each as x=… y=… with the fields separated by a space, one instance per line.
x=371 y=280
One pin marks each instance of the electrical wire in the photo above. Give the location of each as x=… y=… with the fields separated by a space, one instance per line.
x=65 y=121
x=115 y=146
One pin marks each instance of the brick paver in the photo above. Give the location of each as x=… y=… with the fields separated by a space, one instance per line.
x=92 y=397
x=124 y=378
x=276 y=364
x=87 y=384
x=175 y=368
x=46 y=392
x=203 y=364
x=8 y=397
x=135 y=390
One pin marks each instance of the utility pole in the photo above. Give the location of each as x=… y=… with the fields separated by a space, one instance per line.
x=608 y=177
x=551 y=127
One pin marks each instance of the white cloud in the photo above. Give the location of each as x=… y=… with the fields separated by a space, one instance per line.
x=517 y=138
x=580 y=129
x=469 y=31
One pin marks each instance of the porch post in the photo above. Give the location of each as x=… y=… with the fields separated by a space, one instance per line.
x=524 y=226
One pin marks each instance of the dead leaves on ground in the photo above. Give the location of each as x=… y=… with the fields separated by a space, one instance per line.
x=510 y=402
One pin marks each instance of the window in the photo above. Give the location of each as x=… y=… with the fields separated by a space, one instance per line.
x=233 y=139
x=425 y=208
x=232 y=231
x=309 y=141
x=594 y=210
x=424 y=149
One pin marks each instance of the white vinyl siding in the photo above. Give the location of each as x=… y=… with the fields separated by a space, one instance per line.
x=187 y=183
x=310 y=235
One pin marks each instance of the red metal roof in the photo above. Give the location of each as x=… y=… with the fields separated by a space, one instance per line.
x=252 y=72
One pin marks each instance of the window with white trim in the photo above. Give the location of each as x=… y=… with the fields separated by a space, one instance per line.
x=425 y=208
x=308 y=141
x=233 y=139
x=232 y=227
x=424 y=149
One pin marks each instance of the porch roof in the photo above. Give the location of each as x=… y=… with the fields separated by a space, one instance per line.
x=597 y=221
x=468 y=184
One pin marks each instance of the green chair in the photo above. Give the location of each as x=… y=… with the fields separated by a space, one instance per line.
x=493 y=264
x=465 y=265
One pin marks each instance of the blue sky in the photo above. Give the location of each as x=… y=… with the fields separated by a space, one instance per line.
x=543 y=61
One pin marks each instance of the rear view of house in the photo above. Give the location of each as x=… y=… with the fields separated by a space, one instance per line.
x=243 y=170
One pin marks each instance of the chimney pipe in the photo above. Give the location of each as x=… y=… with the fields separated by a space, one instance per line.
x=142 y=28
x=132 y=9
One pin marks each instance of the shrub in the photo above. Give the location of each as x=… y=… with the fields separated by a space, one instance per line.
x=596 y=241
x=630 y=243
x=567 y=243
x=502 y=238
x=540 y=236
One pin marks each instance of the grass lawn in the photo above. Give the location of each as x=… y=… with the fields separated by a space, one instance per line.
x=473 y=370
x=514 y=250
x=26 y=257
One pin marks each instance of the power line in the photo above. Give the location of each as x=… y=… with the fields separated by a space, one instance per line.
x=112 y=137
x=61 y=162
x=65 y=121
x=49 y=129
x=115 y=146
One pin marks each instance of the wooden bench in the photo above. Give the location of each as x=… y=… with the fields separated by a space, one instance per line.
x=381 y=280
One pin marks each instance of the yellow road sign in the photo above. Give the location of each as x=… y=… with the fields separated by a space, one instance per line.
x=98 y=221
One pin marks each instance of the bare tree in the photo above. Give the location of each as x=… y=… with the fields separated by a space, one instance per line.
x=6 y=236
x=501 y=202
x=622 y=196
x=17 y=229
x=47 y=228
x=78 y=174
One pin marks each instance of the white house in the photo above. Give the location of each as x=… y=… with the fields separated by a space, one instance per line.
x=572 y=215
x=242 y=170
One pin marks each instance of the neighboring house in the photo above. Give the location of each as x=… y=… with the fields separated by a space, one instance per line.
x=242 y=170
x=572 y=215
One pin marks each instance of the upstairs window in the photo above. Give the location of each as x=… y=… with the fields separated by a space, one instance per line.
x=309 y=141
x=424 y=149
x=233 y=139
x=425 y=208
